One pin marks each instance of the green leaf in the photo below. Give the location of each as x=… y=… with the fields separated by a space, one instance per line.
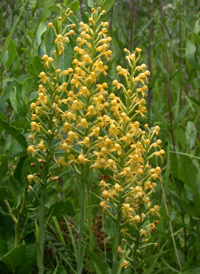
x=40 y=31
x=14 y=257
x=49 y=40
x=90 y=3
x=191 y=55
x=18 y=173
x=29 y=85
x=7 y=90
x=157 y=43
x=3 y=166
x=65 y=60
x=192 y=271
x=6 y=234
x=12 y=51
x=56 y=9
x=189 y=26
x=62 y=208
x=16 y=104
x=74 y=6
x=30 y=252
x=14 y=149
x=14 y=133
x=190 y=134
x=40 y=3
x=45 y=10
x=197 y=27
x=197 y=204
x=14 y=189
x=180 y=115
x=187 y=207
x=61 y=270
x=180 y=135
x=97 y=260
x=3 y=193
x=122 y=28
x=106 y=4
x=165 y=73
x=11 y=32
x=38 y=64
x=188 y=173
x=142 y=29
x=176 y=72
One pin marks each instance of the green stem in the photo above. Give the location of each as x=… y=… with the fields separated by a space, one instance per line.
x=117 y=238
x=10 y=211
x=91 y=245
x=80 y=228
x=41 y=235
x=17 y=232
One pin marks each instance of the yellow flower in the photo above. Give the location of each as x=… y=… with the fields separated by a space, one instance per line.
x=41 y=146
x=48 y=60
x=124 y=264
x=44 y=77
x=31 y=150
x=35 y=126
x=82 y=159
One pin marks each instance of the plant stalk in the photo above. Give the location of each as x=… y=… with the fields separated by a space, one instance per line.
x=117 y=238
x=80 y=228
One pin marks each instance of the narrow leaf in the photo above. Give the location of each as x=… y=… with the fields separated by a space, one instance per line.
x=14 y=133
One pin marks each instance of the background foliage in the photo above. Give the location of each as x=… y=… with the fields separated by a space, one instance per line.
x=169 y=34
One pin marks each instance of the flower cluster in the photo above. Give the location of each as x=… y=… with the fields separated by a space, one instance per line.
x=125 y=153
x=46 y=110
x=86 y=100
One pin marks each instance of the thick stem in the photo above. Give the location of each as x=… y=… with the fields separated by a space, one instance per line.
x=80 y=228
